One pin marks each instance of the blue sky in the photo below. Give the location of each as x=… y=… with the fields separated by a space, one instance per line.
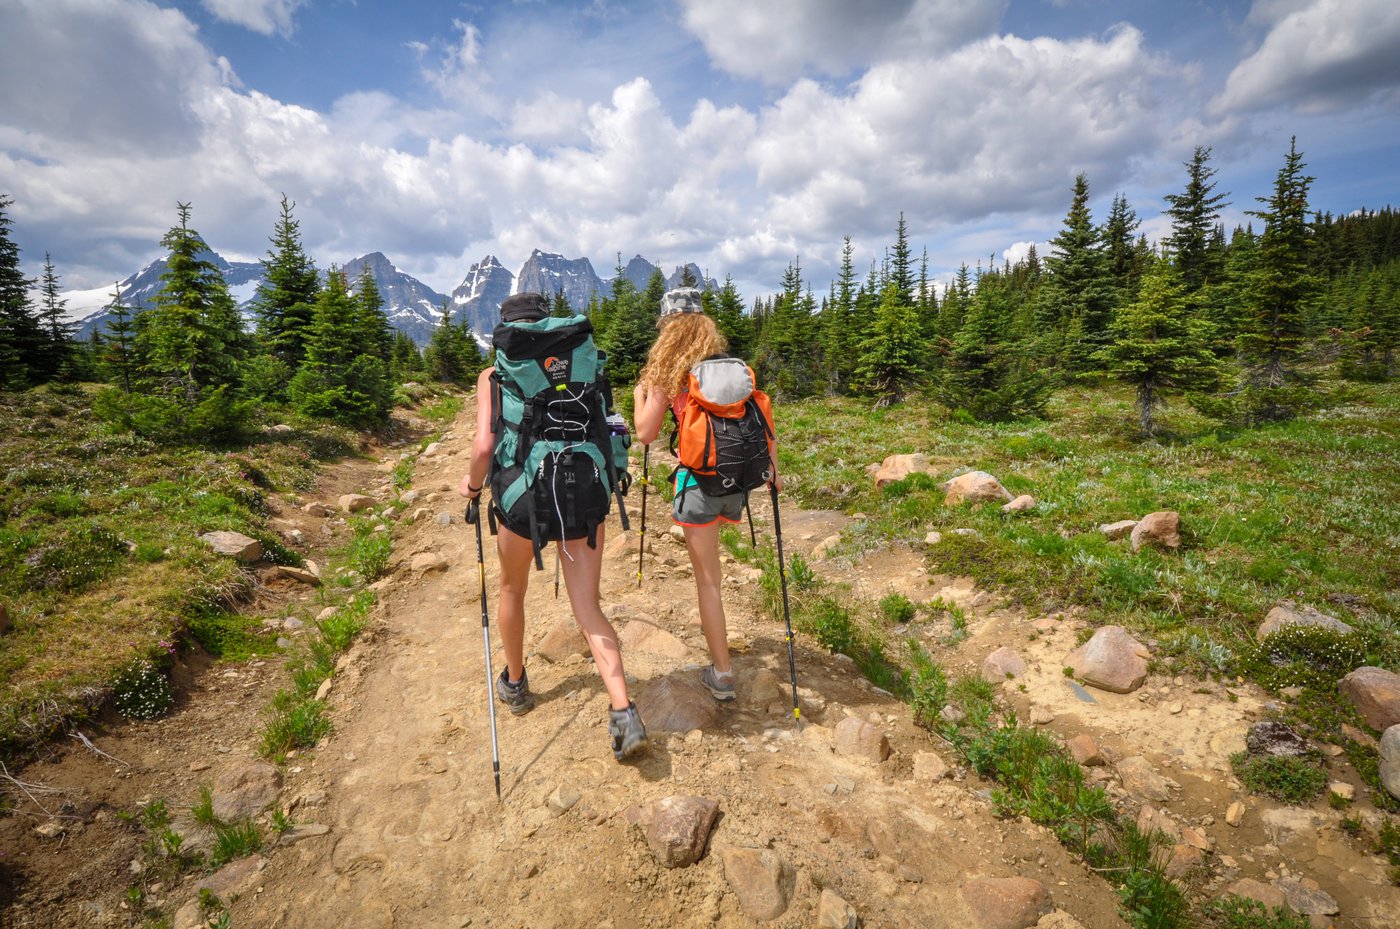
x=737 y=134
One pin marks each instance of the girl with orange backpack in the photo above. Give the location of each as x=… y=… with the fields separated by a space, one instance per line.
x=724 y=441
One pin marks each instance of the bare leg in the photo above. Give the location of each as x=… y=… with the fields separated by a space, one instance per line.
x=703 y=544
x=516 y=556
x=582 y=567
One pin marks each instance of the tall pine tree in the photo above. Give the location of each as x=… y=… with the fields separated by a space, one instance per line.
x=286 y=298
x=57 y=360
x=1195 y=212
x=21 y=337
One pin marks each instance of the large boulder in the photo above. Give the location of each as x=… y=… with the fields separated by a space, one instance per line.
x=1002 y=664
x=859 y=739
x=975 y=487
x=898 y=467
x=1111 y=660
x=1289 y=613
x=1160 y=530
x=1375 y=692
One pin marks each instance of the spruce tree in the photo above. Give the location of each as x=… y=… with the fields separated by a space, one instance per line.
x=286 y=297
x=1159 y=346
x=987 y=377
x=1124 y=262
x=1195 y=212
x=894 y=357
x=732 y=321
x=560 y=307
x=902 y=264
x=337 y=380
x=57 y=360
x=117 y=360
x=1076 y=301
x=1281 y=288
x=21 y=337
x=631 y=329
x=376 y=336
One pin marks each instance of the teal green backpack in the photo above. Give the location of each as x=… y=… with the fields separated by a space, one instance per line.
x=561 y=451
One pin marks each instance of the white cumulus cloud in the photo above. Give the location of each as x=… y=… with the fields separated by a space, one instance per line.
x=1318 y=55
x=263 y=16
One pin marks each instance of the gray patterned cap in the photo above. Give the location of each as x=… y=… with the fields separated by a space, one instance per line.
x=681 y=300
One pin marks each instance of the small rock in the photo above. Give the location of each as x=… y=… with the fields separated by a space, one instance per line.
x=1118 y=530
x=562 y=799
x=1141 y=780
x=1111 y=660
x=234 y=544
x=1375 y=692
x=1390 y=760
x=898 y=467
x=324 y=689
x=245 y=791
x=1183 y=859
x=1002 y=664
x=51 y=829
x=1305 y=899
x=563 y=640
x=1234 y=815
x=354 y=503
x=303 y=831
x=1289 y=613
x=317 y=509
x=762 y=880
x=1041 y=716
x=857 y=738
x=443 y=519
x=1271 y=897
x=974 y=487
x=1085 y=750
x=428 y=561
x=929 y=767
x=678 y=829
x=307 y=575
x=1160 y=529
x=835 y=913
x=1021 y=504
x=933 y=538
x=1007 y=902
x=1271 y=737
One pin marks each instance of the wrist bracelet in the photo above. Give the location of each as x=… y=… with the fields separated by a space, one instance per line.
x=473 y=490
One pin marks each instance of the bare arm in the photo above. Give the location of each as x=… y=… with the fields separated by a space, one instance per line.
x=484 y=443
x=649 y=412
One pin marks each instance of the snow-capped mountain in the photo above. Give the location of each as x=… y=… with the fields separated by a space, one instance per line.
x=479 y=297
x=548 y=274
x=88 y=308
x=412 y=306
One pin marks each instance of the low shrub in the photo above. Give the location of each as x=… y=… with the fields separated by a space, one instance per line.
x=1290 y=779
x=140 y=690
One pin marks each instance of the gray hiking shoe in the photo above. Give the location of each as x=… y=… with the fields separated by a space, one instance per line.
x=720 y=686
x=629 y=734
x=516 y=695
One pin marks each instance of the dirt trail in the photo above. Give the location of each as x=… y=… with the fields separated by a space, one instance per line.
x=418 y=839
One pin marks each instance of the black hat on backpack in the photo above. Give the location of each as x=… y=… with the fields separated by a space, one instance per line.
x=524 y=308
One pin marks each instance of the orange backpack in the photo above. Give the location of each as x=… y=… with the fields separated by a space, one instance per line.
x=724 y=428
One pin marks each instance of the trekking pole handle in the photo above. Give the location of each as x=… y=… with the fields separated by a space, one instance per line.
x=473 y=511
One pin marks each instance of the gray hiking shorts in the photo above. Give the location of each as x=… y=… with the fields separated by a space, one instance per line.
x=693 y=507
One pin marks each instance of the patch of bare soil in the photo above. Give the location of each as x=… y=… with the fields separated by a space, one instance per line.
x=417 y=837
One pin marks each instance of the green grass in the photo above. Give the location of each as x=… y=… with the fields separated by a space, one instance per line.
x=1292 y=780
x=100 y=559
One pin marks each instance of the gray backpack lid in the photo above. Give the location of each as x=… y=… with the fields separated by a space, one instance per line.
x=723 y=381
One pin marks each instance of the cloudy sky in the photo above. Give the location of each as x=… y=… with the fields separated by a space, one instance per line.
x=737 y=134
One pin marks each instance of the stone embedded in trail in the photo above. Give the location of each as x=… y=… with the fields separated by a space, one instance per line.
x=354 y=503
x=1021 y=504
x=303 y=831
x=974 y=487
x=677 y=703
x=1184 y=858
x=1083 y=749
x=1141 y=780
x=245 y=791
x=1119 y=530
x=562 y=799
x=1007 y=902
x=929 y=767
x=1289 y=613
x=933 y=538
x=761 y=878
x=317 y=509
x=236 y=545
x=678 y=828
x=1234 y=815
x=824 y=547
x=428 y=561
x=625 y=545
x=835 y=913
x=859 y=739
x=765 y=689
x=1375 y=692
x=1160 y=530
x=1306 y=897
x=311 y=574
x=1151 y=819
x=563 y=640
x=1111 y=660
x=1271 y=737
x=898 y=467
x=236 y=877
x=650 y=639
x=1390 y=760
x=1258 y=891
x=1002 y=664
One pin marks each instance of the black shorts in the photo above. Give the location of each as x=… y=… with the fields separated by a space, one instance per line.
x=523 y=530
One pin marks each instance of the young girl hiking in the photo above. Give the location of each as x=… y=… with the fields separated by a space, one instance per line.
x=686 y=359
x=544 y=445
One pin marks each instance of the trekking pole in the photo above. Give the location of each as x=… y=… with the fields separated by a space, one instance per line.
x=642 y=536
x=753 y=537
x=556 y=573
x=787 y=615
x=474 y=517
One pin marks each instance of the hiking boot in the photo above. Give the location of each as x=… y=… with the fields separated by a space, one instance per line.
x=629 y=734
x=720 y=685
x=517 y=696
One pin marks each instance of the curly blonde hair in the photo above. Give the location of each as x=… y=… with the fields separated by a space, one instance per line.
x=685 y=339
